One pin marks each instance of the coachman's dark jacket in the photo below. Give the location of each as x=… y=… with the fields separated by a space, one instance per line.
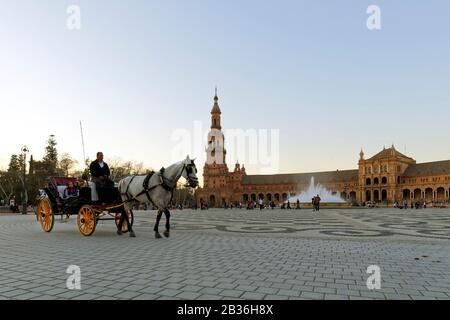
x=97 y=171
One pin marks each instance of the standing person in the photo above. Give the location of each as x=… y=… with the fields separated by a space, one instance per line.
x=260 y=203
x=288 y=205
x=100 y=175
x=12 y=204
x=317 y=202
x=298 y=204
x=313 y=202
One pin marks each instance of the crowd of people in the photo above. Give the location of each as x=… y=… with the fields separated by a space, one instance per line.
x=420 y=204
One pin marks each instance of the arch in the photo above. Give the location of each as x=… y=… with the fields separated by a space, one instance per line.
x=245 y=197
x=368 y=196
x=260 y=196
x=368 y=182
x=269 y=197
x=253 y=197
x=428 y=194
x=284 y=196
x=353 y=196
x=384 y=180
x=440 y=194
x=212 y=200
x=343 y=195
x=376 y=195
x=406 y=194
x=277 y=197
x=384 y=195
x=376 y=181
x=417 y=194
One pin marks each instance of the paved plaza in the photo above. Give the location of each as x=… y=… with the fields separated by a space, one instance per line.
x=234 y=254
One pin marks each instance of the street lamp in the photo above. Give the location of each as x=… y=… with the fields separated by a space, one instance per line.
x=25 y=193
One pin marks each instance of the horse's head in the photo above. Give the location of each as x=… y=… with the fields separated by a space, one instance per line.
x=190 y=172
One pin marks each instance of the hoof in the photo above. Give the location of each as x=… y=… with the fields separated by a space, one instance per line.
x=158 y=235
x=166 y=234
x=119 y=232
x=132 y=235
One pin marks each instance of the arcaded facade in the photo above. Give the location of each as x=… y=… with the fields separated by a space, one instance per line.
x=386 y=177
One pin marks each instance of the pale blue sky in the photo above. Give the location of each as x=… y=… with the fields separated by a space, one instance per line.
x=139 y=70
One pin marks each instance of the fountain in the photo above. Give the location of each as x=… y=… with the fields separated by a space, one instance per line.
x=317 y=189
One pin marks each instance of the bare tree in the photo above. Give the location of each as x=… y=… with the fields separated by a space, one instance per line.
x=67 y=163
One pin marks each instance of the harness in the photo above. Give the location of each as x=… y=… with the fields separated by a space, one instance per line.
x=164 y=182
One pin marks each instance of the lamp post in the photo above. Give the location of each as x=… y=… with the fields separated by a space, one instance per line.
x=25 y=193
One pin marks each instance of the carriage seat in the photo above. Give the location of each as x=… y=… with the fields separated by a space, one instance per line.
x=94 y=193
x=110 y=197
x=61 y=190
x=59 y=184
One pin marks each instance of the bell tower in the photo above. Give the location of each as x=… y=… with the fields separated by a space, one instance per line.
x=215 y=170
x=215 y=152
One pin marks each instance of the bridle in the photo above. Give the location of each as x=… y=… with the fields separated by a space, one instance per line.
x=190 y=168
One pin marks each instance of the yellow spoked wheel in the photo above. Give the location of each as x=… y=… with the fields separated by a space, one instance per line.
x=87 y=220
x=125 y=228
x=44 y=213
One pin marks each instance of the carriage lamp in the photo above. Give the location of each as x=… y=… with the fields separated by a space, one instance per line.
x=25 y=150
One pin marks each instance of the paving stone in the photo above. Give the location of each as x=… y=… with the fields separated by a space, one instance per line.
x=188 y=295
x=233 y=265
x=312 y=295
x=232 y=293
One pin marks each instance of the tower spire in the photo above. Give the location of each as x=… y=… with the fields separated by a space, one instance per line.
x=215 y=113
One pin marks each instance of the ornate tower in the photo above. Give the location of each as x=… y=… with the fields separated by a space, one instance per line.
x=215 y=171
x=215 y=152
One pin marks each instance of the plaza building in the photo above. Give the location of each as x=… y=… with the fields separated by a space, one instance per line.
x=387 y=177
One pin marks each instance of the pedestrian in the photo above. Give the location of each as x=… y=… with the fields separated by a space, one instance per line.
x=261 y=206
x=288 y=205
x=298 y=204
x=317 y=202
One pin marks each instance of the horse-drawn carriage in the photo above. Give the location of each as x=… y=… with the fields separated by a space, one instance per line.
x=154 y=188
x=86 y=204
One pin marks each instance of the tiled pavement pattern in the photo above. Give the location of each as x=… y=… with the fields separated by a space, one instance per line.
x=234 y=254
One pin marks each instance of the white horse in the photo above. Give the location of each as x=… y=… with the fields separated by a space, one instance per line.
x=156 y=189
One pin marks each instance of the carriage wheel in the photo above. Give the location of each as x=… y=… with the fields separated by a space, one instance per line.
x=87 y=220
x=124 y=224
x=44 y=213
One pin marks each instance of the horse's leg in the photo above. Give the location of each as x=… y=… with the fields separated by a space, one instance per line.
x=130 y=227
x=167 y=232
x=119 y=226
x=158 y=218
